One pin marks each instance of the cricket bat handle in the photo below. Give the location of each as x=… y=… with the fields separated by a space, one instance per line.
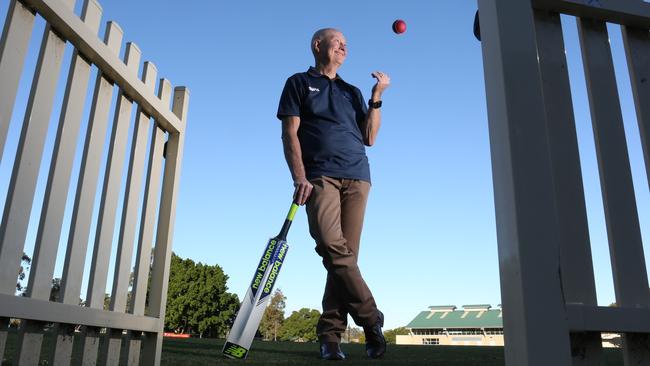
x=288 y=221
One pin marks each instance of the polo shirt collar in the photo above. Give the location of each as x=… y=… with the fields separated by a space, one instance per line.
x=315 y=73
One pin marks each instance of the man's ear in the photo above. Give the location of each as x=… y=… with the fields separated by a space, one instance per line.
x=317 y=45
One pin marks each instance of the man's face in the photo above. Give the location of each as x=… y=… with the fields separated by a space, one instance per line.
x=334 y=47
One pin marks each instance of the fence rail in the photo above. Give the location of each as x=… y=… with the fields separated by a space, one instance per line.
x=149 y=188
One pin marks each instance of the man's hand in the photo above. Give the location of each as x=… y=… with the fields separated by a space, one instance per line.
x=303 y=190
x=383 y=82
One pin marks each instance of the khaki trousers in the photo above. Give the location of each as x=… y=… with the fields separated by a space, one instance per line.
x=335 y=211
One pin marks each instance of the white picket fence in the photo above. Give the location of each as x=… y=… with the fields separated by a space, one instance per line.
x=103 y=331
x=548 y=292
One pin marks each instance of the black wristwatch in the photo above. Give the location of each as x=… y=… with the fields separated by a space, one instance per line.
x=375 y=105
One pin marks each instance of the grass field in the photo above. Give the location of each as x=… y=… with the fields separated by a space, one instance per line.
x=208 y=352
x=196 y=351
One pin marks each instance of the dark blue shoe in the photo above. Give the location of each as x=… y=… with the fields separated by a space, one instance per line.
x=375 y=341
x=331 y=351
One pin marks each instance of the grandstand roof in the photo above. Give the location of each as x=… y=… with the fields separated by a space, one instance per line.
x=471 y=316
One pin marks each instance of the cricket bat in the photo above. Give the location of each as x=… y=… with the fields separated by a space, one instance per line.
x=258 y=295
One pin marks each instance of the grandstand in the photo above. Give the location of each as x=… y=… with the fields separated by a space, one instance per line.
x=474 y=325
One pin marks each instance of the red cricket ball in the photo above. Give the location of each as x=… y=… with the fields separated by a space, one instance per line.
x=399 y=26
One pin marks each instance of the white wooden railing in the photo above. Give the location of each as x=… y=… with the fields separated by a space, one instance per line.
x=153 y=209
x=551 y=316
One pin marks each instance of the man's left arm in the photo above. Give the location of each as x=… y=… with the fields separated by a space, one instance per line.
x=371 y=124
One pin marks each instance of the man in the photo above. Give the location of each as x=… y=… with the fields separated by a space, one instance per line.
x=325 y=125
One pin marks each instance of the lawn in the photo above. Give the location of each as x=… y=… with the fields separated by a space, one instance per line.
x=208 y=352
x=196 y=351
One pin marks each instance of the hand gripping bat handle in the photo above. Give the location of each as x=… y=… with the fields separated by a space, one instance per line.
x=287 y=221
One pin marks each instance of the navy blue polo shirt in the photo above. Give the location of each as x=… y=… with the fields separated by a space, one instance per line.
x=331 y=114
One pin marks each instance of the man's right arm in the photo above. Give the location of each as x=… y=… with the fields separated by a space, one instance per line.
x=293 y=155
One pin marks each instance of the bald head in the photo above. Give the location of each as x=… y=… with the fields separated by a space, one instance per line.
x=328 y=46
x=319 y=36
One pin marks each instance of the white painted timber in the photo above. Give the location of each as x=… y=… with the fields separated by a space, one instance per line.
x=610 y=319
x=152 y=344
x=71 y=27
x=630 y=12
x=47 y=311
x=87 y=185
x=111 y=190
x=576 y=267
x=637 y=50
x=526 y=215
x=16 y=33
x=22 y=186
x=132 y=201
x=623 y=231
x=151 y=202
x=56 y=191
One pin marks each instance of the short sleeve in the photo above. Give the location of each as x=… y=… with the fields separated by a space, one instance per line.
x=290 y=101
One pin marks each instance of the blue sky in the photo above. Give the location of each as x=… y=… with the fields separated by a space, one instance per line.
x=429 y=235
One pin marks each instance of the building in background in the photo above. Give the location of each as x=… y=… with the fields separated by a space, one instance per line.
x=473 y=325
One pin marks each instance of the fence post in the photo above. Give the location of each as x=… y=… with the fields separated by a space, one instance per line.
x=527 y=226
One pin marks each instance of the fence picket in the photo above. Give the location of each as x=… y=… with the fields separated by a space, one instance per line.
x=4 y=324
x=56 y=192
x=152 y=343
x=108 y=208
x=131 y=200
x=577 y=272
x=85 y=196
x=22 y=186
x=19 y=24
x=637 y=49
x=111 y=190
x=622 y=220
x=129 y=217
x=151 y=199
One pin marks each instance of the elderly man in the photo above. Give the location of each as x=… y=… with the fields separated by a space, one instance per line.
x=325 y=125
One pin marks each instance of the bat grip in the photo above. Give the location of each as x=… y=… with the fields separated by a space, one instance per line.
x=288 y=221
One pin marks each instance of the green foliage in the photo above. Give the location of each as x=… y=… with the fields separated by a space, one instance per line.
x=55 y=291
x=300 y=326
x=197 y=298
x=391 y=333
x=352 y=335
x=273 y=317
x=25 y=262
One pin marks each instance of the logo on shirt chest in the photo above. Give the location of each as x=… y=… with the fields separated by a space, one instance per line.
x=312 y=89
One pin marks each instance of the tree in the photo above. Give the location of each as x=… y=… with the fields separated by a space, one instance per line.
x=25 y=262
x=300 y=326
x=56 y=289
x=273 y=317
x=391 y=334
x=352 y=334
x=107 y=301
x=197 y=298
